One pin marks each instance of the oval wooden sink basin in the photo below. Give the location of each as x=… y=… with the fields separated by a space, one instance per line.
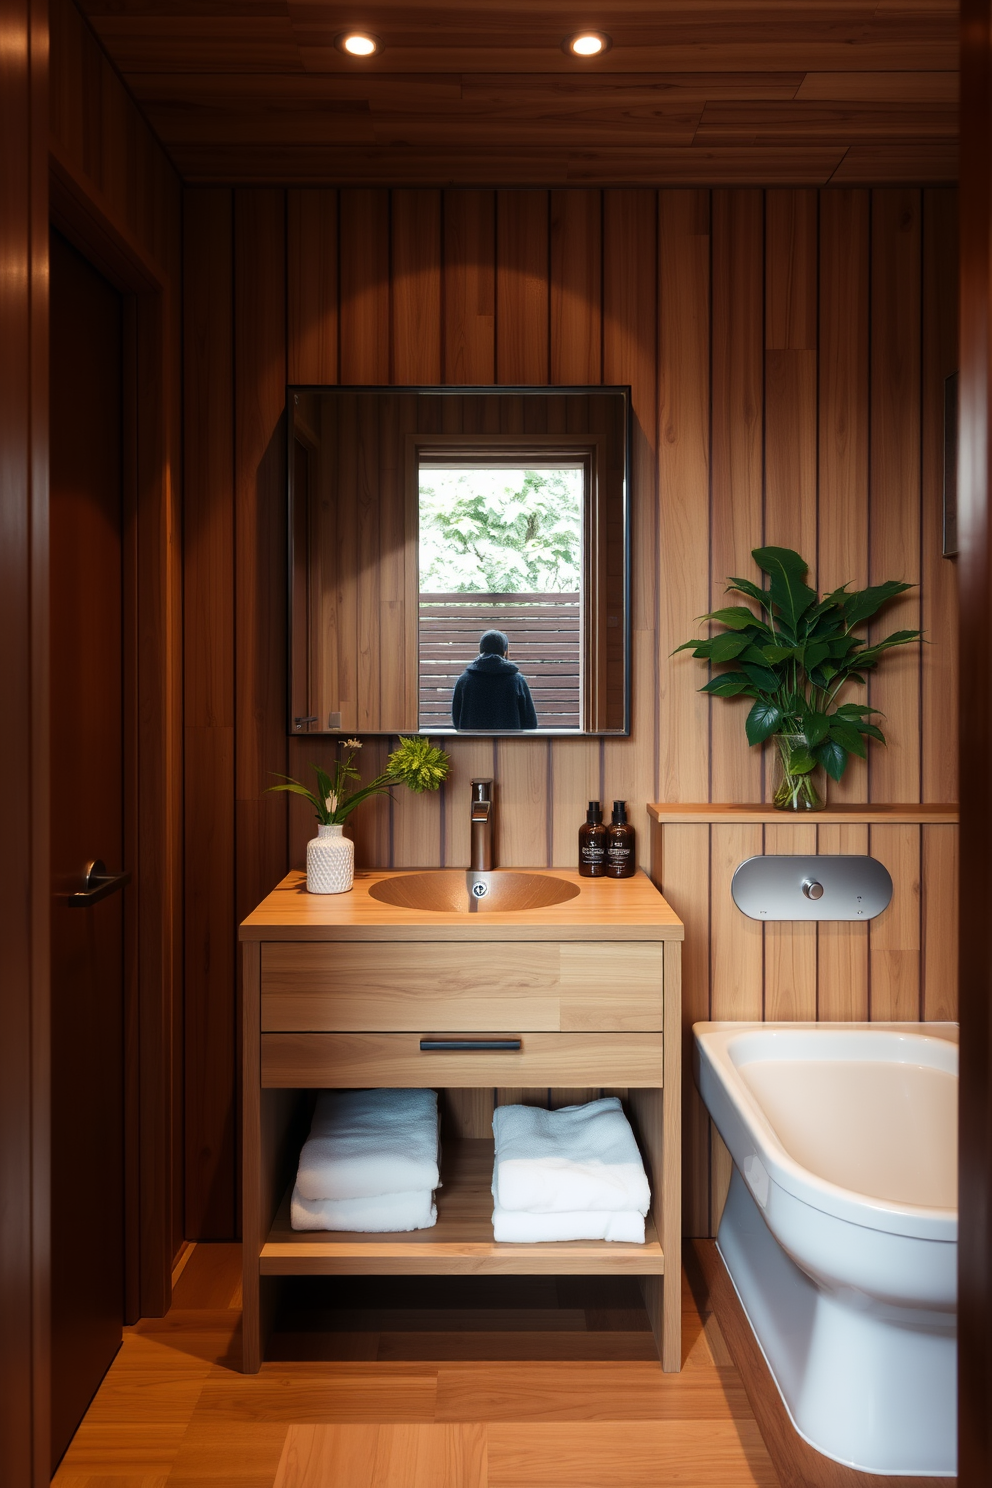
x=473 y=893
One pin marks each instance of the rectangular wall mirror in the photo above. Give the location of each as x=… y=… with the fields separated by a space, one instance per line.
x=422 y=518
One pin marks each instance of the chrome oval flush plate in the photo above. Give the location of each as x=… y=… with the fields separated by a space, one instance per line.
x=811 y=888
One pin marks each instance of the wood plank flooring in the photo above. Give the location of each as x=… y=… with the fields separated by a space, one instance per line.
x=493 y=1382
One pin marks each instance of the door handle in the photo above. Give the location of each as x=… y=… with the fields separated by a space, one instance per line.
x=469 y=1046
x=99 y=883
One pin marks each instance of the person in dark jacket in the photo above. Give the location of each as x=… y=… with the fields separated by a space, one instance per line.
x=490 y=694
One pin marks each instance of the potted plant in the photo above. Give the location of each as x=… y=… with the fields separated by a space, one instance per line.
x=794 y=659
x=417 y=763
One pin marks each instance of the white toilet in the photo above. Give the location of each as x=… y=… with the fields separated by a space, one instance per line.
x=840 y=1228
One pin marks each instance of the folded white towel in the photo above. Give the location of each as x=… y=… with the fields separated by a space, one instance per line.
x=583 y=1224
x=383 y=1213
x=558 y=1162
x=368 y=1142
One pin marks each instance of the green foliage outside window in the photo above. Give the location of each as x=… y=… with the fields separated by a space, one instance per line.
x=500 y=530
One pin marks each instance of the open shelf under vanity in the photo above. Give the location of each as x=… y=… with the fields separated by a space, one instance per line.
x=461 y=1243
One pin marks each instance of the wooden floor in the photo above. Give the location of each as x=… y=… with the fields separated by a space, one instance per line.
x=491 y=1382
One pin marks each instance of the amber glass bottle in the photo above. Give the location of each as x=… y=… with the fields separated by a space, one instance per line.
x=621 y=861
x=592 y=843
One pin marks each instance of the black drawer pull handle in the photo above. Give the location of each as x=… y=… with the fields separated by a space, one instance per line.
x=468 y=1046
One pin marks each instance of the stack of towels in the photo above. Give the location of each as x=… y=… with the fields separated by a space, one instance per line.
x=369 y=1163
x=573 y=1174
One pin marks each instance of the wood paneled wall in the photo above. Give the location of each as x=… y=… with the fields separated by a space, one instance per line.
x=786 y=351
x=899 y=967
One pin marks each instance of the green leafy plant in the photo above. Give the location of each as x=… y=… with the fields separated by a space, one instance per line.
x=500 y=530
x=417 y=764
x=795 y=657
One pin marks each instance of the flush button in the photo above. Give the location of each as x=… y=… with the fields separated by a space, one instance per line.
x=812 y=889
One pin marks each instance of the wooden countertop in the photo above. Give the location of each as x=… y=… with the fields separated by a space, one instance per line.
x=866 y=814
x=604 y=909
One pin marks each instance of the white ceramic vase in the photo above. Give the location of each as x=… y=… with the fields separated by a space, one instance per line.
x=330 y=861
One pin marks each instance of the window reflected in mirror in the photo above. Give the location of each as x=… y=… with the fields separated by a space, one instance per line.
x=500 y=552
x=458 y=560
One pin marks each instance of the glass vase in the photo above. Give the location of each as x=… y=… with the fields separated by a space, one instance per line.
x=796 y=787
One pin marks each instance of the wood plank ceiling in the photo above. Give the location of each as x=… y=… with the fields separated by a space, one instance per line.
x=463 y=93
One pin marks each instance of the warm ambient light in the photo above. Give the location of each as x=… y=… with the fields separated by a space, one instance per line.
x=587 y=43
x=358 y=43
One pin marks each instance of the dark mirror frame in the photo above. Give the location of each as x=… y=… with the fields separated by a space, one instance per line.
x=300 y=723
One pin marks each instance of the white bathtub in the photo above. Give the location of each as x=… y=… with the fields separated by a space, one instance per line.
x=840 y=1229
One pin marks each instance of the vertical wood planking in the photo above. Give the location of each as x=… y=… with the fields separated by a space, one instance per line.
x=260 y=539
x=209 y=719
x=364 y=310
x=844 y=418
x=522 y=325
x=736 y=964
x=680 y=867
x=683 y=486
x=415 y=282
x=894 y=937
x=939 y=576
x=738 y=419
x=573 y=356
x=842 y=947
x=522 y=765
x=468 y=356
x=364 y=358
x=466 y=1112
x=416 y=359
x=940 y=919
x=576 y=286
x=261 y=845
x=630 y=321
x=790 y=370
x=312 y=285
x=790 y=946
x=736 y=968
x=894 y=771
x=312 y=317
x=469 y=287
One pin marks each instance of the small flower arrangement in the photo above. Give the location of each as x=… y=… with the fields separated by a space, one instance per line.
x=417 y=764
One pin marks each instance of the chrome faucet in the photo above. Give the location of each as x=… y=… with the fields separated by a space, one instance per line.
x=483 y=823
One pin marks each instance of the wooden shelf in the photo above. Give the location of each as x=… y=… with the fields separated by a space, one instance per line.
x=868 y=814
x=461 y=1243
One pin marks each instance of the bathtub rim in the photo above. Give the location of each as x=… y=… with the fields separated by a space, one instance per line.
x=711 y=1047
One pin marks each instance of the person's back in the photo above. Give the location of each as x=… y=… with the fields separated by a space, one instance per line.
x=491 y=695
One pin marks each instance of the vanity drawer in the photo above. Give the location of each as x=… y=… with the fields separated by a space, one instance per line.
x=357 y=1060
x=533 y=986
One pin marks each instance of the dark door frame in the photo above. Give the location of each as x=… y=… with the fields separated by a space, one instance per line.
x=975 y=530
x=151 y=789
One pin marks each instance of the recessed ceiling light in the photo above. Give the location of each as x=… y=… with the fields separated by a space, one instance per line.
x=358 y=43
x=587 y=43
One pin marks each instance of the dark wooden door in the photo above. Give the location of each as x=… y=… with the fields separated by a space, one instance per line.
x=87 y=824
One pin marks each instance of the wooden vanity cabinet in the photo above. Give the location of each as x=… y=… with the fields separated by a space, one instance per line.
x=340 y=995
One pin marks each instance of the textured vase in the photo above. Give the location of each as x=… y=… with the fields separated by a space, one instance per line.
x=330 y=861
